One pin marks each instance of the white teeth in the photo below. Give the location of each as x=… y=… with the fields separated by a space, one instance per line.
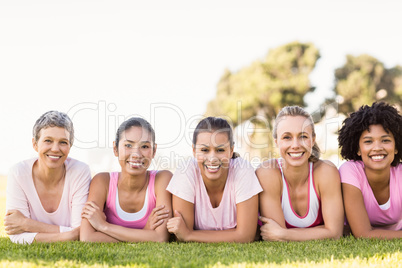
x=377 y=157
x=212 y=167
x=135 y=164
x=295 y=155
x=54 y=157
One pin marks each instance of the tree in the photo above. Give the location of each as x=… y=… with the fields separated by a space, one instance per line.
x=257 y=92
x=363 y=80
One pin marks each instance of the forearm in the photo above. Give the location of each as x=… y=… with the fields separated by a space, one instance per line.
x=33 y=226
x=229 y=235
x=56 y=237
x=313 y=233
x=379 y=233
x=136 y=235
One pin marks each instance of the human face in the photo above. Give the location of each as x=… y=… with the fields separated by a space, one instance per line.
x=295 y=139
x=53 y=146
x=213 y=153
x=377 y=148
x=135 y=150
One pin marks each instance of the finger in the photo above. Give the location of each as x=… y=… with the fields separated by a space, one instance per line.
x=157 y=224
x=263 y=219
x=177 y=214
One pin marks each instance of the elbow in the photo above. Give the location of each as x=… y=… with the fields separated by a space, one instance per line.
x=245 y=237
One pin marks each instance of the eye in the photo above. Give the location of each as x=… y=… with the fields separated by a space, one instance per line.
x=128 y=145
x=47 y=140
x=304 y=137
x=145 y=146
x=64 y=142
x=367 y=142
x=286 y=137
x=220 y=150
x=204 y=150
x=386 y=141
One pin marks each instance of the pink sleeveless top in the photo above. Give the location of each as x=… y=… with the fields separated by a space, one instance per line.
x=313 y=215
x=110 y=208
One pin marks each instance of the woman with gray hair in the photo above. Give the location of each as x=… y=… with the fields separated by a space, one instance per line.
x=45 y=194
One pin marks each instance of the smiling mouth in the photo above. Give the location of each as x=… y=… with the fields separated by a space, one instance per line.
x=135 y=164
x=212 y=168
x=54 y=156
x=295 y=155
x=377 y=157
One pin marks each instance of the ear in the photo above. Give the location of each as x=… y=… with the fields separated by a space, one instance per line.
x=115 y=150
x=396 y=151
x=154 y=150
x=359 y=153
x=276 y=142
x=231 y=151
x=193 y=150
x=34 y=144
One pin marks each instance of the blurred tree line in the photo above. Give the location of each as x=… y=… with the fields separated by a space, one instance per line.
x=256 y=93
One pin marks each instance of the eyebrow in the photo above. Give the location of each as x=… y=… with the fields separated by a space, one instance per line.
x=383 y=136
x=130 y=141
x=222 y=145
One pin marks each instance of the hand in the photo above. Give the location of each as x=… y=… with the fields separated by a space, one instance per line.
x=94 y=215
x=271 y=230
x=14 y=222
x=156 y=218
x=178 y=227
x=74 y=234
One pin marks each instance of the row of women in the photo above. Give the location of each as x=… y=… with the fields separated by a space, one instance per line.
x=217 y=196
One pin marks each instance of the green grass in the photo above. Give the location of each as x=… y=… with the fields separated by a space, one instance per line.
x=346 y=252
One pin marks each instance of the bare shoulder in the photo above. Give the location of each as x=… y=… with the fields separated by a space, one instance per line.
x=268 y=171
x=162 y=178
x=326 y=174
x=325 y=168
x=101 y=178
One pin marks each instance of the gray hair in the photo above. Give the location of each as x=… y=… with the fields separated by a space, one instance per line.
x=298 y=111
x=53 y=119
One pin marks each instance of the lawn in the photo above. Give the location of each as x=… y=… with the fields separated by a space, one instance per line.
x=346 y=252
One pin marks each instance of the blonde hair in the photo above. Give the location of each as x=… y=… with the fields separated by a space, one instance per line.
x=298 y=111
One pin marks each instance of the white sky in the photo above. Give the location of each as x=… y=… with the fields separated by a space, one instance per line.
x=102 y=61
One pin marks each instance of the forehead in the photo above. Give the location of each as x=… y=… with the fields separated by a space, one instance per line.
x=294 y=124
x=212 y=138
x=55 y=132
x=136 y=134
x=376 y=130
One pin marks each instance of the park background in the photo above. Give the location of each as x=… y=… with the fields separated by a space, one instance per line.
x=104 y=61
x=172 y=62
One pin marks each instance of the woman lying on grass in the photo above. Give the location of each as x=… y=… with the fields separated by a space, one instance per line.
x=371 y=139
x=215 y=196
x=45 y=195
x=302 y=195
x=132 y=205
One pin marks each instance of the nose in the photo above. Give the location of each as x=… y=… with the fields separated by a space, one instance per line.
x=55 y=147
x=135 y=152
x=211 y=155
x=377 y=146
x=295 y=143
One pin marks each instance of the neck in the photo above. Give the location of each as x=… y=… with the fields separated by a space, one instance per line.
x=216 y=185
x=133 y=182
x=296 y=174
x=48 y=175
x=378 y=177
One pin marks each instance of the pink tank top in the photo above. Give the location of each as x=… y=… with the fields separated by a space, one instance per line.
x=313 y=215
x=111 y=211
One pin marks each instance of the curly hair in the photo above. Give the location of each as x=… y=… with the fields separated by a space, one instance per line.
x=379 y=113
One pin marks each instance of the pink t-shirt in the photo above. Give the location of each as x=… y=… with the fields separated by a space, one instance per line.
x=22 y=196
x=241 y=185
x=352 y=172
x=112 y=216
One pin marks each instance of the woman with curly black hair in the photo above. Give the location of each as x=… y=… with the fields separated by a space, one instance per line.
x=371 y=139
